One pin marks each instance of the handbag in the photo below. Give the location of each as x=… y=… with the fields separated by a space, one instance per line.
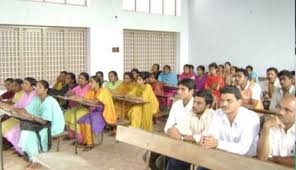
x=37 y=127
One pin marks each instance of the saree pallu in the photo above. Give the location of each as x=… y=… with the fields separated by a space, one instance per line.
x=90 y=123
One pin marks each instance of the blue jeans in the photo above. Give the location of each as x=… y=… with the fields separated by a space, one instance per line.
x=175 y=164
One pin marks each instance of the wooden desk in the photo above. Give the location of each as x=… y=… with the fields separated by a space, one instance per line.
x=84 y=103
x=123 y=99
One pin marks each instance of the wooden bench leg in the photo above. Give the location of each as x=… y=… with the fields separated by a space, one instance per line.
x=58 y=144
x=148 y=160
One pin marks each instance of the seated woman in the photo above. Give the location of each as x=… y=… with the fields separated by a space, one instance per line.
x=141 y=115
x=11 y=127
x=135 y=73
x=214 y=83
x=74 y=108
x=9 y=92
x=60 y=81
x=157 y=87
x=94 y=122
x=18 y=91
x=44 y=110
x=187 y=73
x=169 y=79
x=70 y=83
x=155 y=70
x=201 y=78
x=113 y=83
x=100 y=74
x=125 y=87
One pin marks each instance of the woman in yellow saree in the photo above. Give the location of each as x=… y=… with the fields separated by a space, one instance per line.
x=141 y=115
x=125 y=87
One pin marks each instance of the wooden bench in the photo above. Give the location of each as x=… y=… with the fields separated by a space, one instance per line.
x=192 y=153
x=62 y=161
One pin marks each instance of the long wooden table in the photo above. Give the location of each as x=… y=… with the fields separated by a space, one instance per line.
x=192 y=153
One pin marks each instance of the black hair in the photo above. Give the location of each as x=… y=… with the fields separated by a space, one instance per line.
x=286 y=73
x=250 y=67
x=273 y=69
x=221 y=65
x=128 y=74
x=189 y=83
x=100 y=72
x=135 y=70
x=114 y=73
x=18 y=81
x=64 y=72
x=44 y=83
x=167 y=66
x=213 y=65
x=144 y=75
x=157 y=65
x=31 y=80
x=187 y=65
x=10 y=80
x=191 y=66
x=231 y=90
x=97 y=80
x=241 y=70
x=85 y=75
x=227 y=62
x=206 y=94
x=201 y=67
x=72 y=76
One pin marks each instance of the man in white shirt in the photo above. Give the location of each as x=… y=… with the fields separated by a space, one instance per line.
x=234 y=128
x=201 y=118
x=272 y=82
x=287 y=88
x=250 y=90
x=277 y=138
x=178 y=120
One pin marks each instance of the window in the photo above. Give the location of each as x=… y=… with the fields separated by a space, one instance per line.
x=71 y=2
x=164 y=7
x=144 y=48
x=156 y=6
x=41 y=52
x=142 y=6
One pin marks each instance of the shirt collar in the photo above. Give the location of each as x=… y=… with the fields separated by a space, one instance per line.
x=189 y=104
x=236 y=120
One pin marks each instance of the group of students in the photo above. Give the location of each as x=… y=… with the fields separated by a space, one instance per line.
x=31 y=99
x=232 y=127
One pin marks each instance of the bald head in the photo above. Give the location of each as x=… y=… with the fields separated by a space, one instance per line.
x=287 y=110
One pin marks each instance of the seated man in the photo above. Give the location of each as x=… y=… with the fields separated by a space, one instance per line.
x=287 y=88
x=178 y=120
x=272 y=82
x=234 y=128
x=277 y=138
x=200 y=120
x=250 y=90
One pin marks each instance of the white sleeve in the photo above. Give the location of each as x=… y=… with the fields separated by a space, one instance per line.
x=171 y=120
x=214 y=129
x=256 y=92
